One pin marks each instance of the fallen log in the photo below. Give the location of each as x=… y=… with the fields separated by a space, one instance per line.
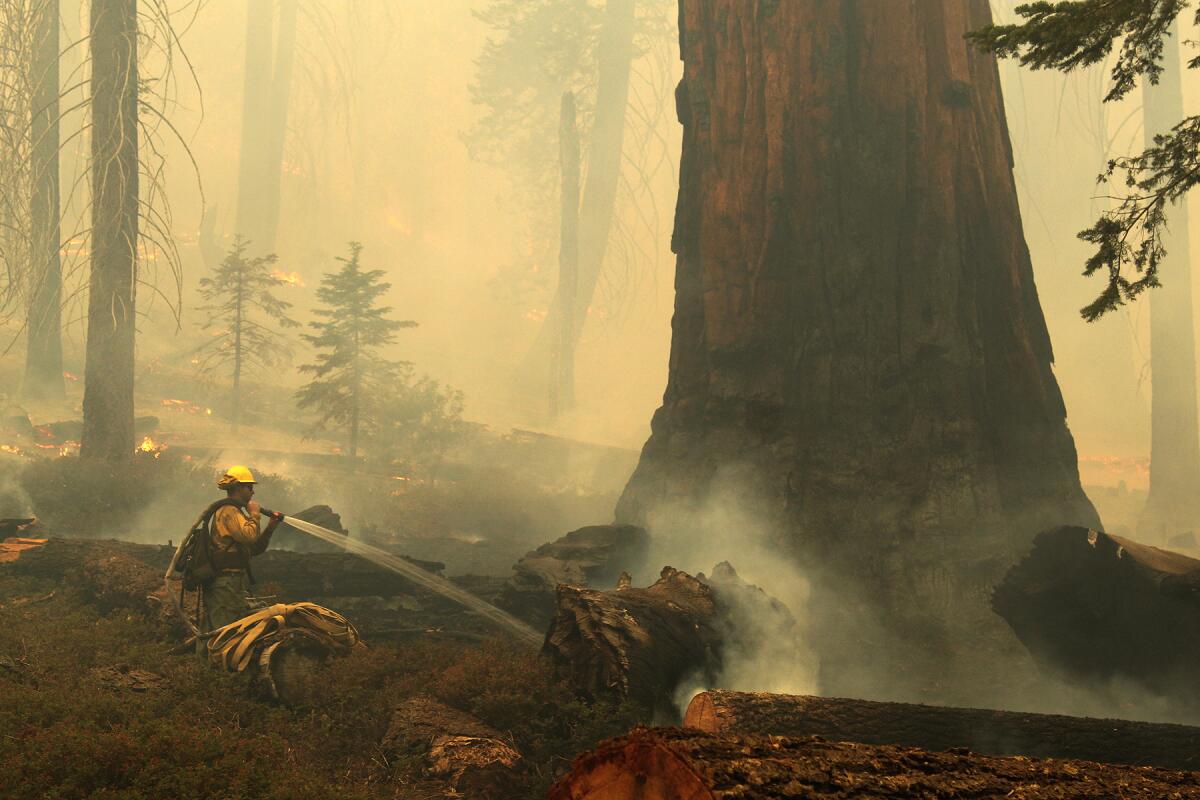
x=1099 y=607
x=997 y=733
x=458 y=751
x=594 y=556
x=676 y=764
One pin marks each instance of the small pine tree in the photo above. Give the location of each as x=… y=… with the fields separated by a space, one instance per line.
x=350 y=376
x=237 y=296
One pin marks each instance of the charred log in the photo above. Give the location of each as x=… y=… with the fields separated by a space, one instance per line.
x=1099 y=607
x=458 y=751
x=591 y=556
x=997 y=733
x=674 y=764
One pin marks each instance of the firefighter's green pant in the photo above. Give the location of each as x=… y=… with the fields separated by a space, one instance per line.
x=224 y=602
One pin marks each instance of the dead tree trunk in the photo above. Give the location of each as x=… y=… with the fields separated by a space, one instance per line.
x=108 y=388
x=673 y=764
x=606 y=141
x=997 y=733
x=43 y=337
x=1101 y=608
x=1173 y=506
x=562 y=378
x=858 y=354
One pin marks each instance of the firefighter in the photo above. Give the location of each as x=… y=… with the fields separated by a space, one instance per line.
x=235 y=534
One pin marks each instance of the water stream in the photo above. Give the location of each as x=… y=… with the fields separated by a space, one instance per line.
x=428 y=580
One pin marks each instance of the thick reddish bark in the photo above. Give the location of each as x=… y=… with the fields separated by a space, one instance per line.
x=857 y=334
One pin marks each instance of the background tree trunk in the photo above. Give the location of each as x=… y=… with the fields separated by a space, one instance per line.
x=270 y=56
x=43 y=353
x=603 y=171
x=256 y=97
x=1173 y=506
x=562 y=378
x=858 y=352
x=277 y=123
x=108 y=388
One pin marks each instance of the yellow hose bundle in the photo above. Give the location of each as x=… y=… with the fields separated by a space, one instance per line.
x=236 y=644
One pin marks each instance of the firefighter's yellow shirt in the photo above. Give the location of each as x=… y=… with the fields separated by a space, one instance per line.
x=236 y=532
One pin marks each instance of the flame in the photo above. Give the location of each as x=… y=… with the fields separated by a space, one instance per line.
x=8 y=448
x=148 y=445
x=290 y=278
x=70 y=377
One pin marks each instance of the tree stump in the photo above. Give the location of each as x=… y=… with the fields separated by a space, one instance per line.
x=636 y=643
x=675 y=764
x=998 y=733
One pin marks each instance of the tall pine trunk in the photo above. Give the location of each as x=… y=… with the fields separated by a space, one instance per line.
x=1173 y=506
x=562 y=378
x=108 y=388
x=606 y=139
x=859 y=362
x=43 y=353
x=270 y=58
x=256 y=95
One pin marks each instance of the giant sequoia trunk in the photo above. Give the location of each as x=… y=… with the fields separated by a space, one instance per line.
x=43 y=350
x=108 y=390
x=1173 y=506
x=858 y=352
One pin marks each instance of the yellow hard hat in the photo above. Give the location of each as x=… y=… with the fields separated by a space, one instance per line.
x=238 y=474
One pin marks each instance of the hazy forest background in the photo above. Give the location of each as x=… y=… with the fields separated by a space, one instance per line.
x=429 y=133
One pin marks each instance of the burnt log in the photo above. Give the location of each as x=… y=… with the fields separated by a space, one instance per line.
x=594 y=556
x=289 y=537
x=997 y=733
x=1101 y=607
x=458 y=751
x=636 y=643
x=677 y=764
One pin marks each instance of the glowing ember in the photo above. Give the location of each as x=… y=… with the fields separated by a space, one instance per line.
x=184 y=406
x=70 y=377
x=8 y=448
x=290 y=278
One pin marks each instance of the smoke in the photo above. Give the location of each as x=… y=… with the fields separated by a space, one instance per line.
x=729 y=541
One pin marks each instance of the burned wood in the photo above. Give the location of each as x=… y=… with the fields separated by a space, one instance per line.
x=458 y=751
x=1097 y=606
x=593 y=556
x=636 y=643
x=997 y=733
x=675 y=764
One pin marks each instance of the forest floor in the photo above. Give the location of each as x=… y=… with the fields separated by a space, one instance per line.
x=92 y=705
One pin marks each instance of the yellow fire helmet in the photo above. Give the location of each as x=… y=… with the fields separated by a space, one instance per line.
x=235 y=475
